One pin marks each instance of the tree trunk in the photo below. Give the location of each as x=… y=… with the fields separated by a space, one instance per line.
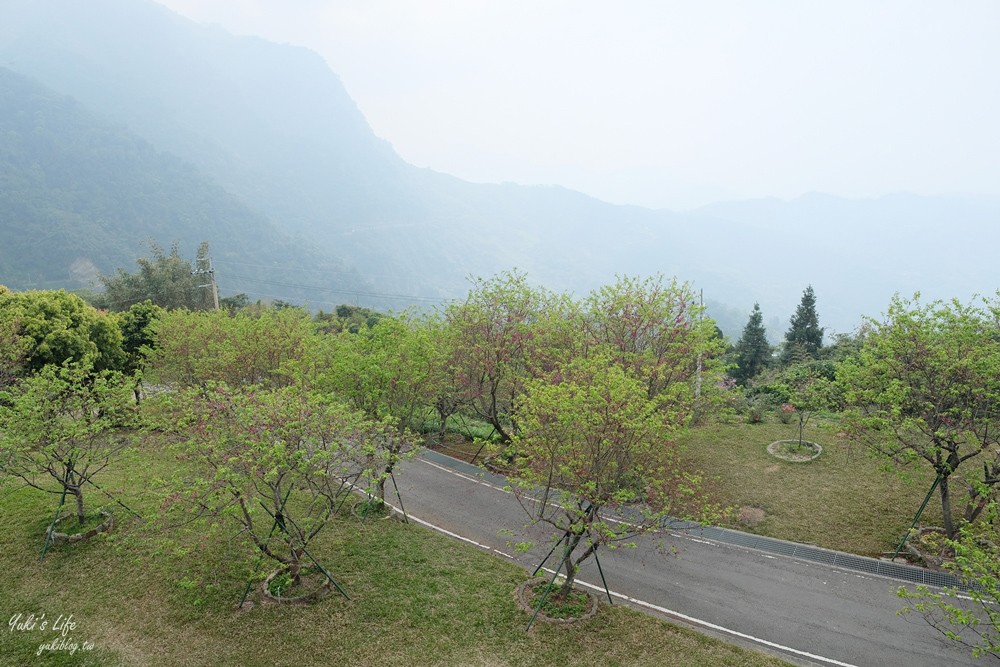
x=977 y=503
x=569 y=567
x=80 y=514
x=446 y=407
x=443 y=428
x=949 y=523
x=295 y=566
x=978 y=499
x=495 y=423
x=574 y=534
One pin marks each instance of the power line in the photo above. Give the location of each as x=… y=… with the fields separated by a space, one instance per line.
x=210 y=271
x=283 y=297
x=307 y=269
x=381 y=295
x=286 y=268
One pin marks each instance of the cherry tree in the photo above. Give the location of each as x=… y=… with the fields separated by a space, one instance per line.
x=502 y=335
x=925 y=389
x=63 y=426
x=596 y=460
x=276 y=462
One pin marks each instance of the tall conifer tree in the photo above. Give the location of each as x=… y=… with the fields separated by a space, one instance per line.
x=805 y=336
x=753 y=352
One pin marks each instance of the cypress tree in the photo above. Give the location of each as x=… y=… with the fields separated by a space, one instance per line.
x=753 y=352
x=805 y=336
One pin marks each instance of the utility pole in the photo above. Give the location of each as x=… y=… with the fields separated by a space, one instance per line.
x=210 y=271
x=701 y=311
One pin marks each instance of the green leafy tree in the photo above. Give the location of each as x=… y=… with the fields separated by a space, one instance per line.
x=497 y=340
x=925 y=388
x=183 y=349
x=811 y=389
x=843 y=346
x=138 y=337
x=277 y=463
x=596 y=425
x=657 y=333
x=234 y=304
x=13 y=349
x=165 y=279
x=61 y=328
x=347 y=318
x=969 y=616
x=62 y=426
x=804 y=337
x=592 y=443
x=446 y=398
x=248 y=348
x=391 y=371
x=753 y=353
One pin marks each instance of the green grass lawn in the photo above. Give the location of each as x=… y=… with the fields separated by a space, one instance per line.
x=843 y=500
x=142 y=597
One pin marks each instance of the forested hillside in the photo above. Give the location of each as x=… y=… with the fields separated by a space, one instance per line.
x=79 y=195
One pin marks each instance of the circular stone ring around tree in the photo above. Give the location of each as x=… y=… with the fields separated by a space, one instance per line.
x=794 y=451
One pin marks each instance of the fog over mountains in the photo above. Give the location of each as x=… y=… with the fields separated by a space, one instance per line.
x=120 y=121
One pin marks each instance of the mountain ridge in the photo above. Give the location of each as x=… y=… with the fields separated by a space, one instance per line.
x=274 y=127
x=80 y=196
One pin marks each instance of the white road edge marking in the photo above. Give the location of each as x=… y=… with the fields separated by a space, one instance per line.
x=717 y=628
x=501 y=489
x=449 y=533
x=456 y=473
x=635 y=601
x=482 y=482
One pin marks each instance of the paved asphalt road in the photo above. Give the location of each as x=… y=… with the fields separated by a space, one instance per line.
x=808 y=613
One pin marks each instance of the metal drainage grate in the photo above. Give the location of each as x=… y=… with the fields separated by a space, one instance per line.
x=908 y=573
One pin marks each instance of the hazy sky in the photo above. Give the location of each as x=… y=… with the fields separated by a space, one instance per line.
x=665 y=103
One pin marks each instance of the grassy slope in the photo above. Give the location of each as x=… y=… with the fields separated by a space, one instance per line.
x=416 y=599
x=843 y=500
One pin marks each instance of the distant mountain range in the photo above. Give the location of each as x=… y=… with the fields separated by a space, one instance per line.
x=121 y=121
x=80 y=196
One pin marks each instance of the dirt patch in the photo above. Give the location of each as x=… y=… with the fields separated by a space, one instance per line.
x=524 y=596
x=457 y=446
x=314 y=586
x=751 y=516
